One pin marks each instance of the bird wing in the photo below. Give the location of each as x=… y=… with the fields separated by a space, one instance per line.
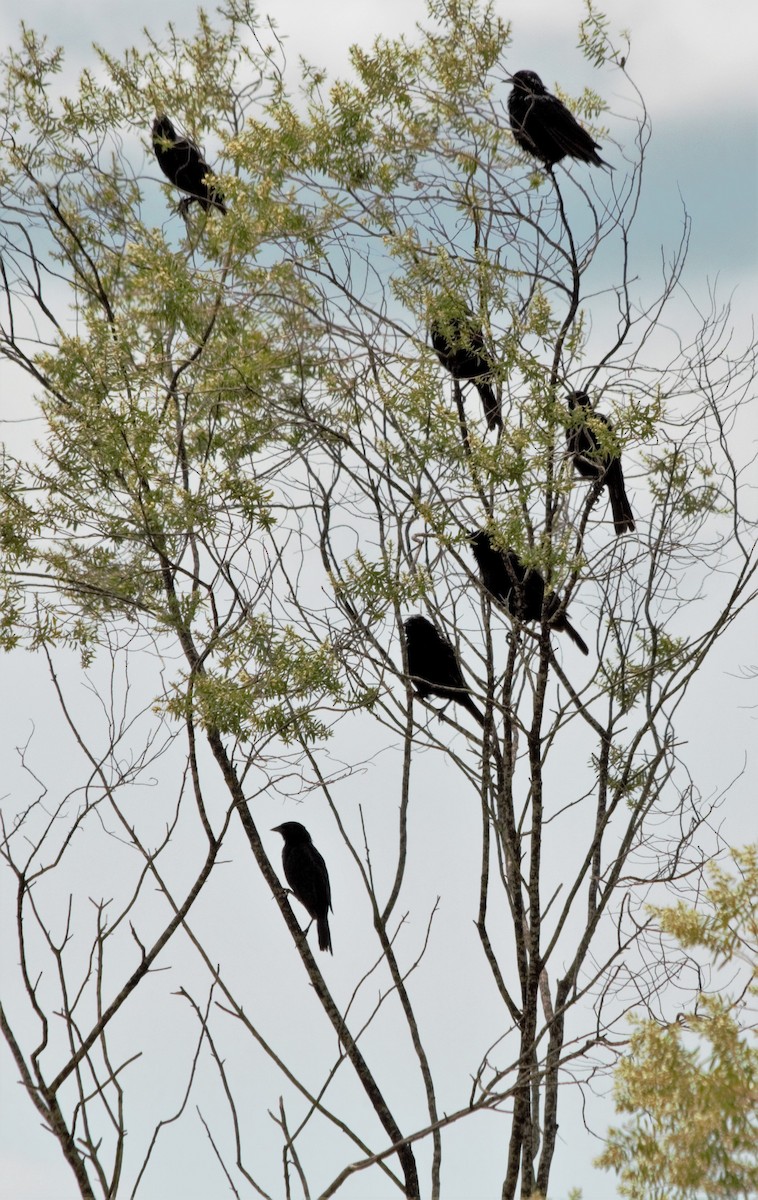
x=190 y=167
x=309 y=870
x=459 y=345
x=450 y=671
x=183 y=164
x=306 y=874
x=568 y=134
x=323 y=877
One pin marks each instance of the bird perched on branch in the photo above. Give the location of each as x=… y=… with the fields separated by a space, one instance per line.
x=460 y=347
x=519 y=588
x=544 y=127
x=183 y=164
x=306 y=873
x=593 y=462
x=433 y=666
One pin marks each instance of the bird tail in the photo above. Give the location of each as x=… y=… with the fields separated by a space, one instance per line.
x=212 y=199
x=565 y=626
x=472 y=707
x=490 y=404
x=324 y=936
x=623 y=520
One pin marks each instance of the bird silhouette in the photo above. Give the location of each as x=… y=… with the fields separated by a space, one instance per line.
x=306 y=873
x=460 y=347
x=544 y=127
x=591 y=461
x=433 y=666
x=183 y=164
x=519 y=588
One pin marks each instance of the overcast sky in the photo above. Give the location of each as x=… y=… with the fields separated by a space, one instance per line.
x=693 y=60
x=695 y=65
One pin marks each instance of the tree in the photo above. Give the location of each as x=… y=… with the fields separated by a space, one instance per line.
x=253 y=469
x=690 y=1085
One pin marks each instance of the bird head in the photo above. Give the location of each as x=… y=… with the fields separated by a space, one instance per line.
x=292 y=832
x=479 y=538
x=163 y=129
x=416 y=622
x=529 y=82
x=579 y=400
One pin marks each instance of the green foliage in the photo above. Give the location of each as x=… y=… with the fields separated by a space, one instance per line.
x=594 y=41
x=656 y=656
x=374 y=586
x=201 y=362
x=264 y=681
x=679 y=479
x=727 y=925
x=177 y=379
x=690 y=1086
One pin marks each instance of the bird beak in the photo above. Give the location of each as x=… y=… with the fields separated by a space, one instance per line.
x=276 y=829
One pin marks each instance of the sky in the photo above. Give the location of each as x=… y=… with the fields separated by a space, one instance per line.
x=694 y=63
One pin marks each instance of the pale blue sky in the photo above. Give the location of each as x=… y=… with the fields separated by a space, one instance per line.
x=694 y=63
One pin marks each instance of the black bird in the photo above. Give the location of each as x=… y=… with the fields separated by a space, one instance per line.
x=460 y=347
x=182 y=163
x=544 y=127
x=433 y=667
x=521 y=589
x=591 y=461
x=307 y=876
